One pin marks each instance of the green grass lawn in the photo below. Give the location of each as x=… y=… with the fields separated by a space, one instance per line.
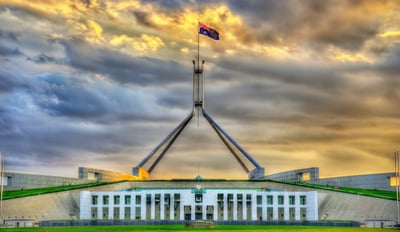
x=183 y=229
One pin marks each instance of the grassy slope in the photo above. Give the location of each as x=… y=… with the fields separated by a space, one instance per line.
x=390 y=195
x=37 y=191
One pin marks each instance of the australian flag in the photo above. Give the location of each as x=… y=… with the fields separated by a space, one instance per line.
x=207 y=31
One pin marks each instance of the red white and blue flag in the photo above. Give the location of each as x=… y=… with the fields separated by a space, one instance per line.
x=207 y=31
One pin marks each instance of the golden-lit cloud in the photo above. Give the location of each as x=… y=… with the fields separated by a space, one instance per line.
x=390 y=34
x=146 y=43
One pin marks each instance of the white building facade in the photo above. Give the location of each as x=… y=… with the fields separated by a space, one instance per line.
x=200 y=204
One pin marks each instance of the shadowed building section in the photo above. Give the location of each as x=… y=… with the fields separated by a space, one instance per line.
x=246 y=161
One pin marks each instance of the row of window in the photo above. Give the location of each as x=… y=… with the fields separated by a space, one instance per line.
x=281 y=200
x=198 y=199
x=117 y=200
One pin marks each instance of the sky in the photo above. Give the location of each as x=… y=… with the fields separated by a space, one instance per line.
x=297 y=83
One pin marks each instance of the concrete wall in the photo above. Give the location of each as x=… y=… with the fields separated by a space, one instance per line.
x=17 y=181
x=295 y=175
x=379 y=181
x=372 y=181
x=103 y=175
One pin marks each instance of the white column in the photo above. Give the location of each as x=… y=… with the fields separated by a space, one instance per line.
x=85 y=205
x=181 y=211
x=297 y=207
x=133 y=207
x=192 y=210
x=244 y=207
x=253 y=207
x=153 y=206
x=143 y=207
x=122 y=211
x=264 y=206
x=216 y=209
x=275 y=206
x=172 y=207
x=286 y=206
x=111 y=206
x=235 y=207
x=225 y=207
x=312 y=205
x=162 y=206
x=99 y=212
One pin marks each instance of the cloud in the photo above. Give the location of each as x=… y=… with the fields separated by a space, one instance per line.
x=44 y=59
x=313 y=23
x=123 y=68
x=5 y=51
x=143 y=18
x=9 y=35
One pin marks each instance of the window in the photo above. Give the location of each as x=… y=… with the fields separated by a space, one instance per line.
x=157 y=198
x=198 y=198
x=394 y=181
x=127 y=200
x=116 y=200
x=302 y=200
x=270 y=200
x=248 y=197
x=280 y=200
x=259 y=199
x=94 y=200
x=138 y=200
x=306 y=176
x=105 y=200
x=148 y=199
x=291 y=200
x=230 y=201
x=167 y=198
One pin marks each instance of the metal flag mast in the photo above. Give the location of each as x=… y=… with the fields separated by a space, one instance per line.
x=198 y=106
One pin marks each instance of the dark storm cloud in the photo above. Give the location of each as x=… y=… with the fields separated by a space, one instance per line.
x=390 y=63
x=175 y=97
x=295 y=92
x=318 y=76
x=6 y=51
x=10 y=35
x=11 y=80
x=31 y=126
x=174 y=5
x=314 y=22
x=123 y=68
x=44 y=59
x=66 y=96
x=142 y=18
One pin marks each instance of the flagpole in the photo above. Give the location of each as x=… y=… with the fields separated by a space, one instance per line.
x=198 y=44
x=198 y=66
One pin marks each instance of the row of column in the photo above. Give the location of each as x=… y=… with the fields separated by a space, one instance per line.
x=148 y=211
